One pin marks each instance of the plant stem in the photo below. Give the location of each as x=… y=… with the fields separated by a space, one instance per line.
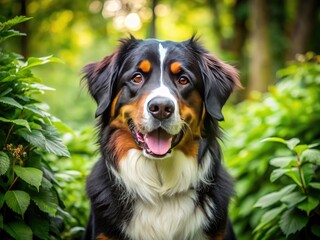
x=9 y=132
x=303 y=184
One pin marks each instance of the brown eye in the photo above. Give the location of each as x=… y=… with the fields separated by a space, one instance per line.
x=183 y=80
x=137 y=78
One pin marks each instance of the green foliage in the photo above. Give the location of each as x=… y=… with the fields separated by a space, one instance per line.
x=294 y=209
x=290 y=110
x=30 y=206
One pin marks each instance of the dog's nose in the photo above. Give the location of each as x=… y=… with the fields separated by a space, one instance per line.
x=161 y=108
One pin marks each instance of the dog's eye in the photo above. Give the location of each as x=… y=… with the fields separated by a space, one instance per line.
x=183 y=80
x=137 y=78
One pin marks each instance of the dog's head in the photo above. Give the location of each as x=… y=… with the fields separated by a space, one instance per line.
x=155 y=95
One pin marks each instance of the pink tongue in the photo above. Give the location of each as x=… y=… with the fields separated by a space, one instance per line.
x=158 y=141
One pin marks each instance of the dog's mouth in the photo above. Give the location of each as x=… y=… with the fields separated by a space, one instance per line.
x=157 y=143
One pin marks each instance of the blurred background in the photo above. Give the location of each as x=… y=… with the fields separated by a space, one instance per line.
x=270 y=42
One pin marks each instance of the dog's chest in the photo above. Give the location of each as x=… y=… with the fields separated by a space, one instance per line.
x=170 y=218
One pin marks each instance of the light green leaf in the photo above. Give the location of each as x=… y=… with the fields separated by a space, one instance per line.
x=10 y=101
x=293 y=198
x=4 y=163
x=33 y=62
x=292 y=221
x=311 y=155
x=308 y=173
x=20 y=122
x=18 y=230
x=274 y=139
x=314 y=185
x=42 y=87
x=292 y=143
x=17 y=200
x=274 y=197
x=309 y=204
x=282 y=161
x=32 y=176
x=278 y=173
x=14 y=21
x=46 y=200
x=300 y=148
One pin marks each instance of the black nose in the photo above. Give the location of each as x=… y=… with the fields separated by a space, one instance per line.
x=161 y=108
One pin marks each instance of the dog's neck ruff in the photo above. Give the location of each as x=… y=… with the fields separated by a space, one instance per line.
x=165 y=195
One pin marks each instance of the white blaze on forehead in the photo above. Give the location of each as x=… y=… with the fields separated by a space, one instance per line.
x=162 y=54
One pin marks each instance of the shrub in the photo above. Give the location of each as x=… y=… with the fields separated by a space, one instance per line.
x=290 y=109
x=294 y=210
x=30 y=206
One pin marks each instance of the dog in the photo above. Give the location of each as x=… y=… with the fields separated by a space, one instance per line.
x=160 y=175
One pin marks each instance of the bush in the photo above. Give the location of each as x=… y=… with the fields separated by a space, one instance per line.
x=30 y=205
x=290 y=109
x=294 y=210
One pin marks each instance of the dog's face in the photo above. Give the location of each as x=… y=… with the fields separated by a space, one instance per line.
x=156 y=95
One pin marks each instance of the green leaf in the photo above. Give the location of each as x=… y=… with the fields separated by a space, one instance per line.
x=17 y=200
x=48 y=139
x=4 y=163
x=309 y=204
x=311 y=156
x=274 y=197
x=14 y=21
x=274 y=139
x=315 y=229
x=300 y=148
x=46 y=200
x=314 y=185
x=18 y=230
x=292 y=221
x=293 y=198
x=1 y=221
x=20 y=122
x=308 y=173
x=292 y=143
x=40 y=226
x=32 y=176
x=10 y=101
x=33 y=62
x=282 y=161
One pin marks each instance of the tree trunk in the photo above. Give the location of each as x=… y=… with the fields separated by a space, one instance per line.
x=260 y=68
x=306 y=15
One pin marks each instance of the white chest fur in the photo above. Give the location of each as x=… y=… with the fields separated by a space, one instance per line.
x=165 y=206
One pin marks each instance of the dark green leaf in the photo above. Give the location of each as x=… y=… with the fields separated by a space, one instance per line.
x=46 y=200
x=1 y=221
x=35 y=137
x=18 y=230
x=53 y=142
x=17 y=200
x=10 y=101
x=32 y=176
x=4 y=163
x=274 y=197
x=315 y=229
x=292 y=221
x=308 y=172
x=309 y=204
x=40 y=227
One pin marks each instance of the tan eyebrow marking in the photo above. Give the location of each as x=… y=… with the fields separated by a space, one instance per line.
x=175 y=67
x=145 y=66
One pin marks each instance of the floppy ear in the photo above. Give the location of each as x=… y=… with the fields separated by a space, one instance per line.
x=219 y=79
x=100 y=77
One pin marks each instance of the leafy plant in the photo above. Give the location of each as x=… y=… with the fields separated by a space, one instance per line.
x=294 y=210
x=30 y=206
x=290 y=109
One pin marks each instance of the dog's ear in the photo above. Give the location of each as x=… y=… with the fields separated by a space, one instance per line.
x=101 y=76
x=219 y=79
